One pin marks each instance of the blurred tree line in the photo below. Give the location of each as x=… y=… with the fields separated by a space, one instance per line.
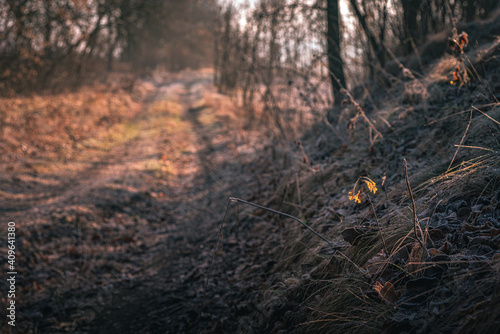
x=303 y=43
x=46 y=43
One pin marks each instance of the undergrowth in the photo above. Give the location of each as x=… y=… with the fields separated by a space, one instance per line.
x=421 y=254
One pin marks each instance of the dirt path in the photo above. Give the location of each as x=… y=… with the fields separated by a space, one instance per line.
x=121 y=240
x=172 y=297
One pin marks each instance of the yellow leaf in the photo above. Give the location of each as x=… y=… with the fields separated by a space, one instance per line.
x=357 y=197
x=371 y=185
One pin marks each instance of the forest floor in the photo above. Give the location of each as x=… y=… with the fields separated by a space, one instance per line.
x=118 y=194
x=116 y=230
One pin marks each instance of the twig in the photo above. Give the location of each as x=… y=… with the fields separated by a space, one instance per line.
x=359 y=112
x=477 y=147
x=219 y=240
x=485 y=114
x=234 y=199
x=461 y=141
x=298 y=190
x=415 y=218
x=331 y=244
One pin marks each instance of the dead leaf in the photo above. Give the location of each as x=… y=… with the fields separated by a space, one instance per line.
x=387 y=292
x=435 y=252
x=415 y=259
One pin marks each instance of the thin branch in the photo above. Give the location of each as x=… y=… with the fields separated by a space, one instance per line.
x=298 y=187
x=331 y=244
x=234 y=199
x=219 y=241
x=359 y=112
x=461 y=141
x=477 y=147
x=485 y=114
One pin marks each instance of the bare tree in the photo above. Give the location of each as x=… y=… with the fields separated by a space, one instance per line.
x=48 y=43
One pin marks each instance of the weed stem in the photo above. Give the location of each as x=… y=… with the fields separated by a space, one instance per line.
x=234 y=199
x=331 y=244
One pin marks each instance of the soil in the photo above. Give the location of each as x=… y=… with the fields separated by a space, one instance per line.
x=122 y=240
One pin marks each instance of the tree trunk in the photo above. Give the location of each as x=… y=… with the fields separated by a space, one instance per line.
x=335 y=63
x=410 y=12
